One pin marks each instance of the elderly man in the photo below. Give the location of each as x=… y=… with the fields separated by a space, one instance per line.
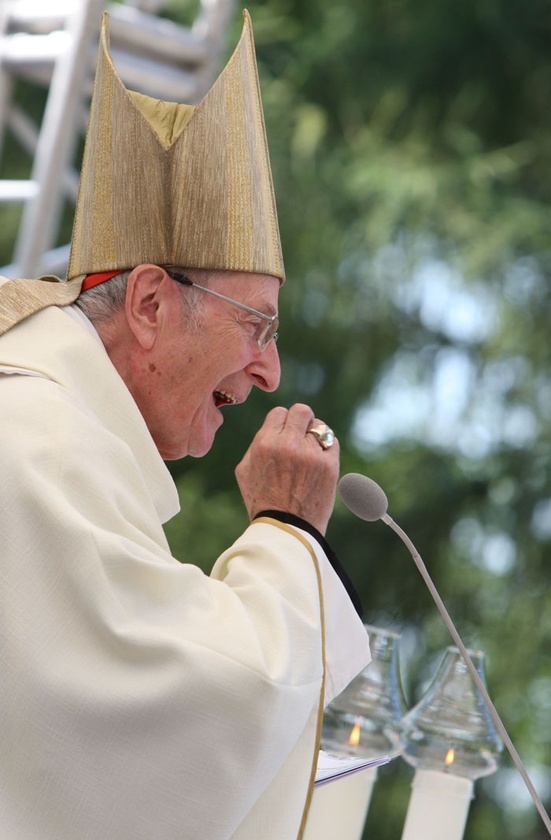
x=141 y=699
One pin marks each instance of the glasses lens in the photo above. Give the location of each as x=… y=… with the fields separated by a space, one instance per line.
x=267 y=333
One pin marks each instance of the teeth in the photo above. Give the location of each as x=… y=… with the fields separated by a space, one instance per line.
x=229 y=398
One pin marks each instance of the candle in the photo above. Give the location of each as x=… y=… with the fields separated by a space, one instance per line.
x=450 y=739
x=338 y=809
x=362 y=721
x=438 y=806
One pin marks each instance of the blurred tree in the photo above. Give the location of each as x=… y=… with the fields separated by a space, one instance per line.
x=411 y=151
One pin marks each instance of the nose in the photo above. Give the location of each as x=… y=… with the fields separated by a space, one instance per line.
x=265 y=369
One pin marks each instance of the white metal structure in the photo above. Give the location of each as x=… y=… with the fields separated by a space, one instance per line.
x=54 y=45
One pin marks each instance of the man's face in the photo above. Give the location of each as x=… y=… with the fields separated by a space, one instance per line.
x=192 y=374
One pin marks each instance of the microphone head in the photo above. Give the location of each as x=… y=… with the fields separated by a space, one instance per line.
x=363 y=496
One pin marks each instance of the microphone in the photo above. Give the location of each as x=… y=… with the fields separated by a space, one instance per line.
x=367 y=500
x=363 y=496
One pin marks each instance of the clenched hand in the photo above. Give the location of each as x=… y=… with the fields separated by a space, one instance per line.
x=286 y=469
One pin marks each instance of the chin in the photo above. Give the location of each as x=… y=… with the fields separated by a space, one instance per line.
x=172 y=450
x=199 y=451
x=196 y=439
x=195 y=449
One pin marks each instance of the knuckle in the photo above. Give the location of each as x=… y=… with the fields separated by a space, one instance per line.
x=278 y=412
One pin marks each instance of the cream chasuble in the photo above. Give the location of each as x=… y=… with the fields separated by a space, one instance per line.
x=141 y=699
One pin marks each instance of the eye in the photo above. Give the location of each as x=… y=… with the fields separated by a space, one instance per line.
x=251 y=324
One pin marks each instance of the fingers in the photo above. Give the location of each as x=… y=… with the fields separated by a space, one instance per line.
x=294 y=420
x=288 y=468
x=297 y=420
x=295 y=426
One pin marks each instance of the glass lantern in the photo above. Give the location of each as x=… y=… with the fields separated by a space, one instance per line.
x=363 y=720
x=450 y=729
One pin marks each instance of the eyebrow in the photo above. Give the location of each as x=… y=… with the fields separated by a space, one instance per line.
x=269 y=309
x=187 y=281
x=264 y=309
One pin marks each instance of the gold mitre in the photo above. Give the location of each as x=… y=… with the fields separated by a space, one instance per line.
x=177 y=184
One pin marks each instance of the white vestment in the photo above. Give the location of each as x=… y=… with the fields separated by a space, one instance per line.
x=141 y=699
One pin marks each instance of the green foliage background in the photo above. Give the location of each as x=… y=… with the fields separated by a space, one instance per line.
x=411 y=152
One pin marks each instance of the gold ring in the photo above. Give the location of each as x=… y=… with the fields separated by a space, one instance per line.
x=323 y=434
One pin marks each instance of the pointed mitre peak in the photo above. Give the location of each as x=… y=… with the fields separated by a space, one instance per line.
x=177 y=184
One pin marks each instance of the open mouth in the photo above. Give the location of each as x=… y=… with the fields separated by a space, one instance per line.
x=223 y=398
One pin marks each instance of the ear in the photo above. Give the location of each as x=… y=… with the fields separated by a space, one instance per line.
x=145 y=303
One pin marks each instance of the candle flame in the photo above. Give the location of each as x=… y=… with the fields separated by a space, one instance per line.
x=354 y=739
x=450 y=757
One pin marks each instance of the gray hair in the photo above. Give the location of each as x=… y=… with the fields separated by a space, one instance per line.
x=103 y=302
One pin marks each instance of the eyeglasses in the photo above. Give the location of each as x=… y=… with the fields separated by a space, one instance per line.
x=264 y=333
